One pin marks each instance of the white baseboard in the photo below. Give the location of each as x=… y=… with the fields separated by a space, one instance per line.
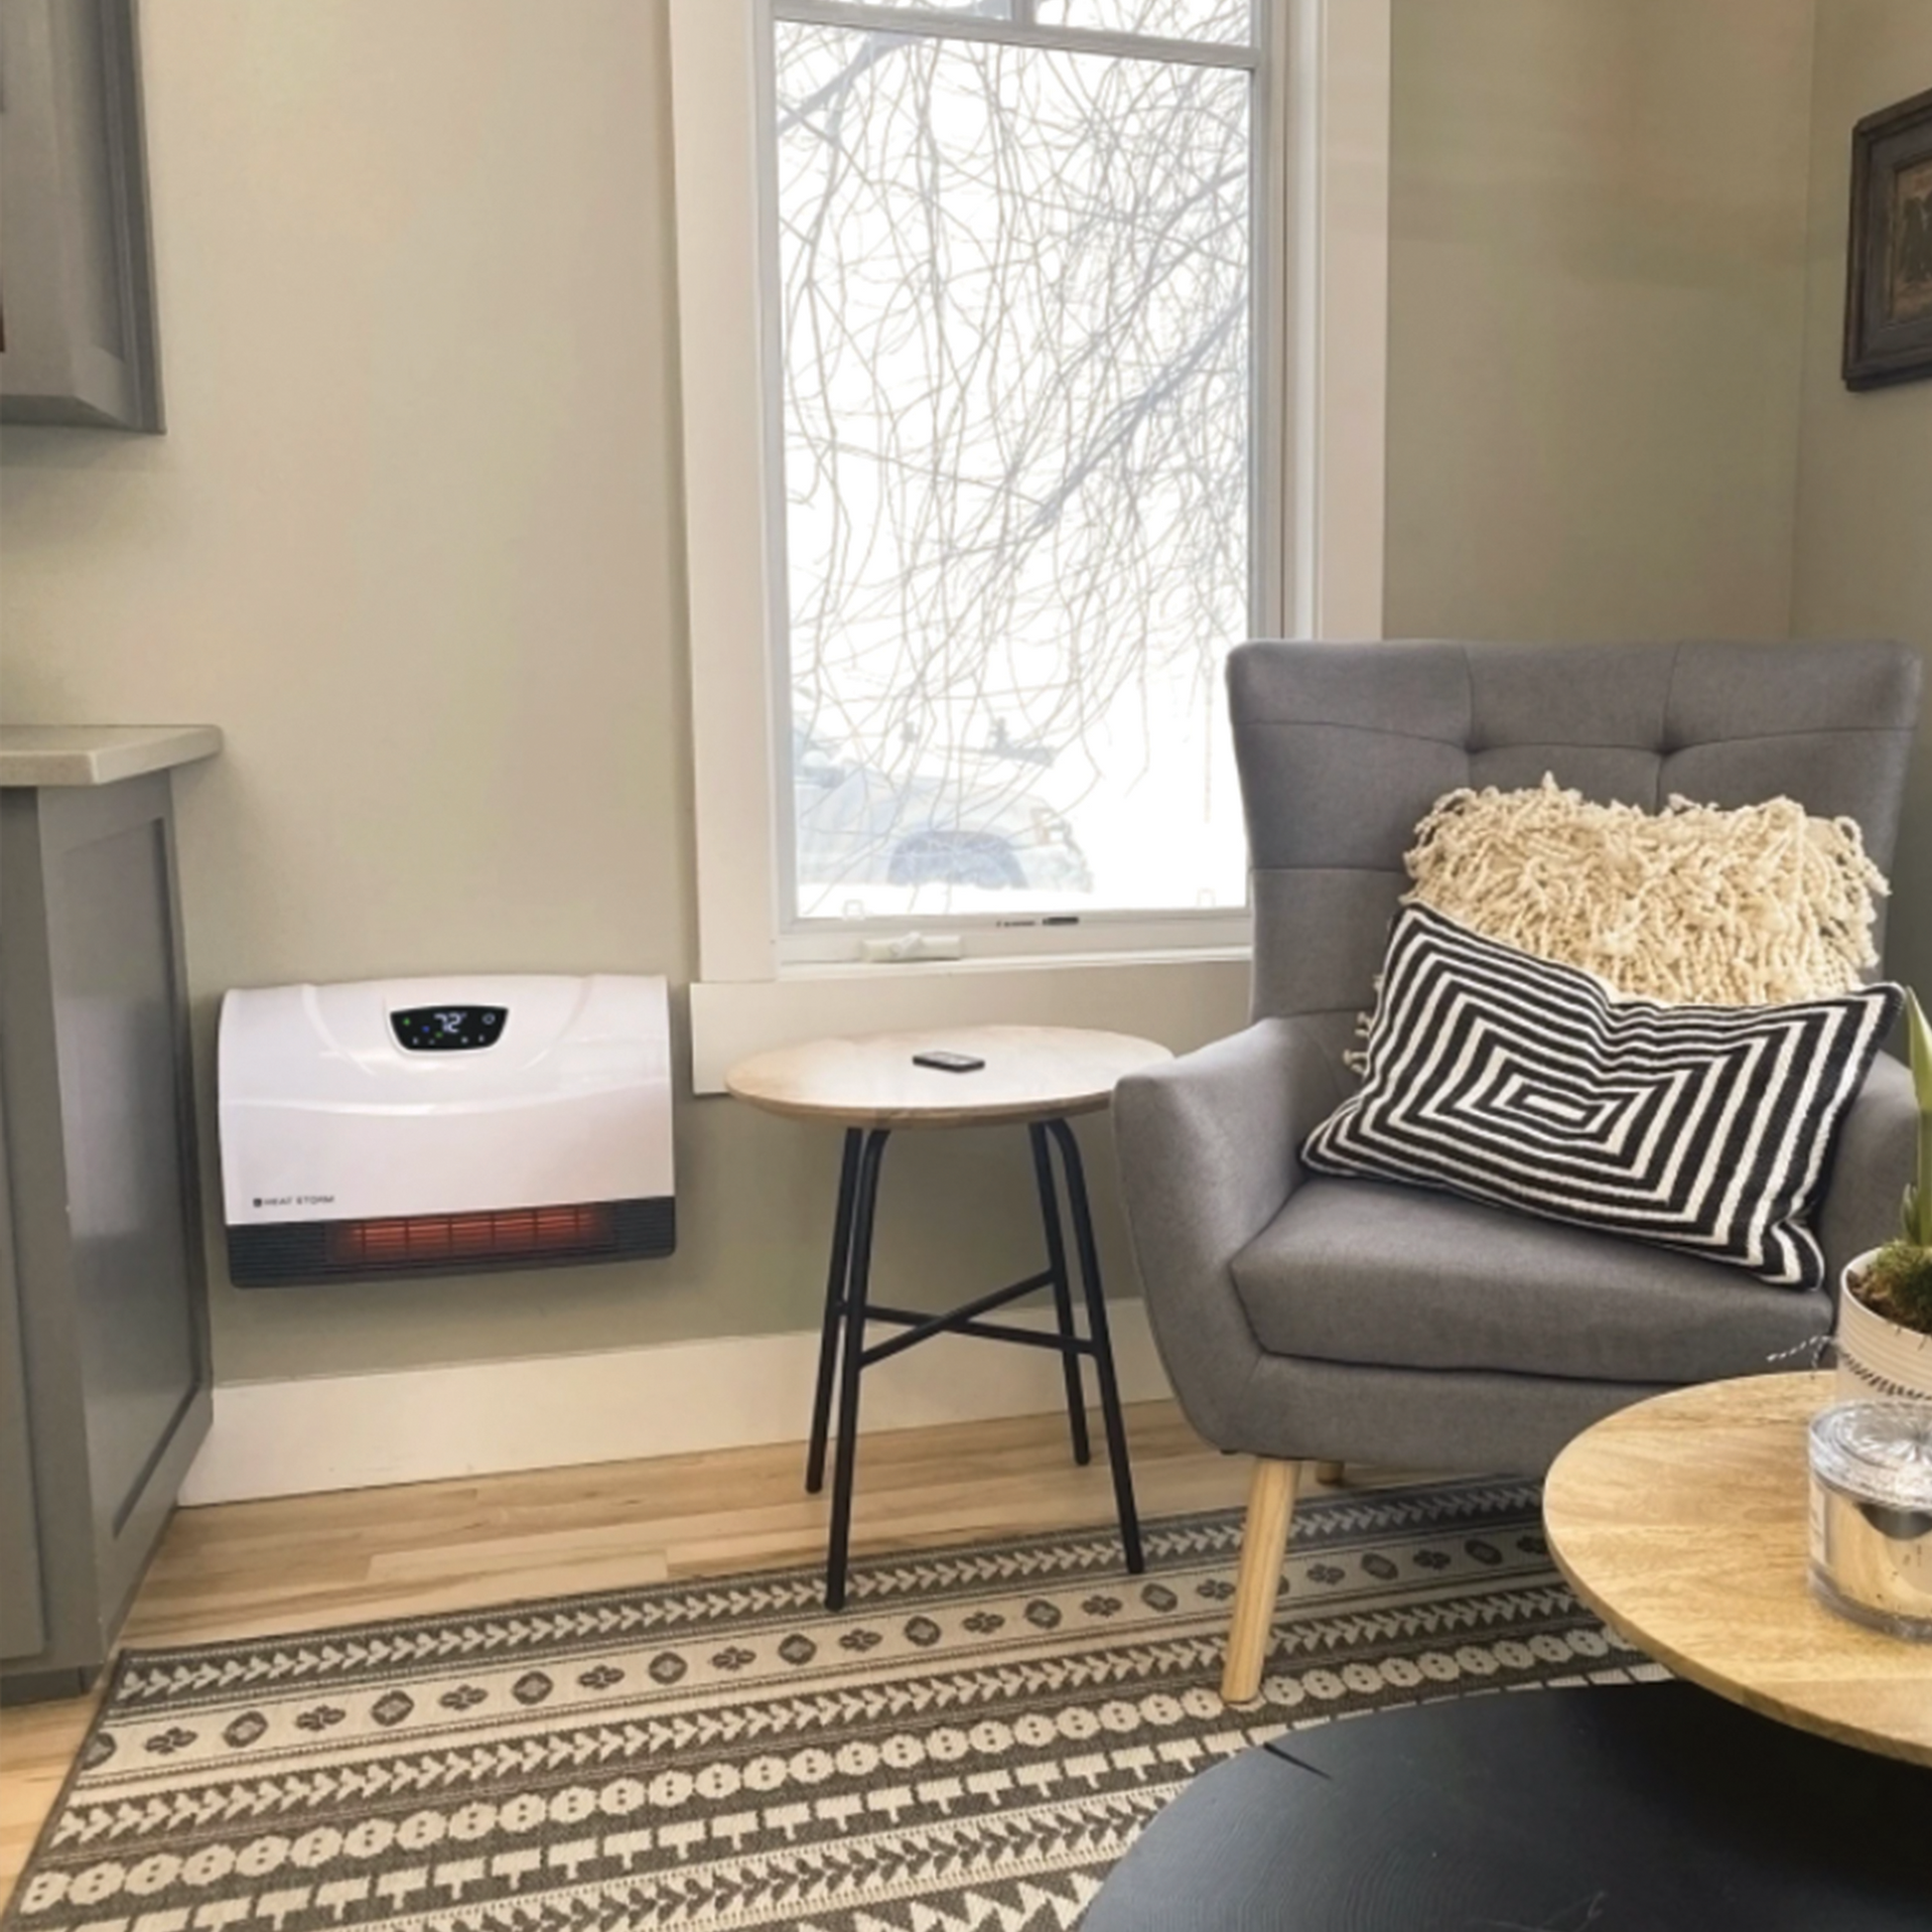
x=310 y=1433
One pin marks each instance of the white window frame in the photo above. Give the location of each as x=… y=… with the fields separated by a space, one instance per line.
x=1327 y=180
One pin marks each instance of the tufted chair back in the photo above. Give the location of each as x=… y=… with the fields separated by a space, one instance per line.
x=1343 y=747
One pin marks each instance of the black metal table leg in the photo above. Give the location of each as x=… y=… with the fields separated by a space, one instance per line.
x=1103 y=1347
x=828 y=1339
x=1050 y=1214
x=844 y=1354
x=858 y=1274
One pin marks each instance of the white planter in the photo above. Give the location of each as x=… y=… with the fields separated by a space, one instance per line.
x=1876 y=1357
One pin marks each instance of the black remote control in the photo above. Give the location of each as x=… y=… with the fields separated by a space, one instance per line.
x=949 y=1062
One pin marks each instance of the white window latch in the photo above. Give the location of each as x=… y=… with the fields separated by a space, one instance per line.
x=912 y=946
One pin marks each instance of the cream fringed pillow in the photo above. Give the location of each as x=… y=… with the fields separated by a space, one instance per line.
x=1693 y=904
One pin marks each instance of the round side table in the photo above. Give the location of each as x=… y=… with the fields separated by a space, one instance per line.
x=1683 y=1521
x=1034 y=1076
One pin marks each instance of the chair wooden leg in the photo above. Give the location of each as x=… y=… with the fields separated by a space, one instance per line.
x=1328 y=1471
x=1264 y=1542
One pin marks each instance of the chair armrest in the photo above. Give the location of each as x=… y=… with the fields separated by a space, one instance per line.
x=1209 y=1150
x=1876 y=1153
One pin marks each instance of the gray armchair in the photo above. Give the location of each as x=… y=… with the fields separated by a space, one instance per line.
x=1302 y=1317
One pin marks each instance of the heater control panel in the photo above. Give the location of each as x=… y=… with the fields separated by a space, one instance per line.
x=447 y=1029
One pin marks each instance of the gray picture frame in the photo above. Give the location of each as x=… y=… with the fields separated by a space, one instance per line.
x=1888 y=273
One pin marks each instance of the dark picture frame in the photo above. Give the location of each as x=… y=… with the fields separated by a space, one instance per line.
x=1889 y=275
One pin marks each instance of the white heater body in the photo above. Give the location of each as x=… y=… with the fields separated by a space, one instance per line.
x=397 y=1126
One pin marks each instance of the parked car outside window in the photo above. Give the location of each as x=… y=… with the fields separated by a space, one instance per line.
x=858 y=826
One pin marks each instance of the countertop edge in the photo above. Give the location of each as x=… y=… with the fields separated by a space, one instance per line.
x=65 y=757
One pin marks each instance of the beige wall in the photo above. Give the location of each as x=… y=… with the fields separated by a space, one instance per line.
x=1865 y=498
x=1616 y=285
x=412 y=538
x=1597 y=284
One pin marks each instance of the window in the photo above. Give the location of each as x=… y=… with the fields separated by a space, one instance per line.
x=1031 y=357
x=1021 y=318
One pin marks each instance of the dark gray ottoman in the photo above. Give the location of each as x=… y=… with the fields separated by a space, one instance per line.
x=1648 y=1808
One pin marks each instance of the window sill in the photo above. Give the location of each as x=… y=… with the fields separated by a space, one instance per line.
x=807 y=971
x=1182 y=998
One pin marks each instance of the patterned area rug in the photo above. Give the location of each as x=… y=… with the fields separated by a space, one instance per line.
x=969 y=1746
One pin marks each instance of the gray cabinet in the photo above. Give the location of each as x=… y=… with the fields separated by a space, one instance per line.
x=105 y=1383
x=22 y=1613
x=77 y=272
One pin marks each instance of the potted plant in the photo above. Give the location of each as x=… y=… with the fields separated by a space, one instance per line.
x=1884 y=1311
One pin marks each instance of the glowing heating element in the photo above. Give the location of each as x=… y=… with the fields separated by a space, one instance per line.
x=423 y=1240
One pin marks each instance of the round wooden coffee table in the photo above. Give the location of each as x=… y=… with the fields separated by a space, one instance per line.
x=871 y=1085
x=1683 y=1522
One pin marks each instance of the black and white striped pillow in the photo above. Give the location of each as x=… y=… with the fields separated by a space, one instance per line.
x=1531 y=1085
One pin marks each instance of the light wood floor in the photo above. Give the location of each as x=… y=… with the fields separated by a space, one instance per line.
x=248 y=1569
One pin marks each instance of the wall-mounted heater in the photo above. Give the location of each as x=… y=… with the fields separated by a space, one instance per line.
x=417 y=1127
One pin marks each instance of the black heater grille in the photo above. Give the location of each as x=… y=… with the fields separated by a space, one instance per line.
x=288 y=1253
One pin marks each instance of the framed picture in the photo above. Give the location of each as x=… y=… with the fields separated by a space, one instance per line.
x=1888 y=279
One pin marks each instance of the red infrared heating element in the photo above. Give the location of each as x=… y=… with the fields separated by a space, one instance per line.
x=426 y=1240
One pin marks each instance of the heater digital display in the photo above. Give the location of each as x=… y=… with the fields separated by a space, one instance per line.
x=447 y=1029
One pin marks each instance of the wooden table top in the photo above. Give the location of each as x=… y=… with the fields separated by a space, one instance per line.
x=1683 y=1522
x=869 y=1079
